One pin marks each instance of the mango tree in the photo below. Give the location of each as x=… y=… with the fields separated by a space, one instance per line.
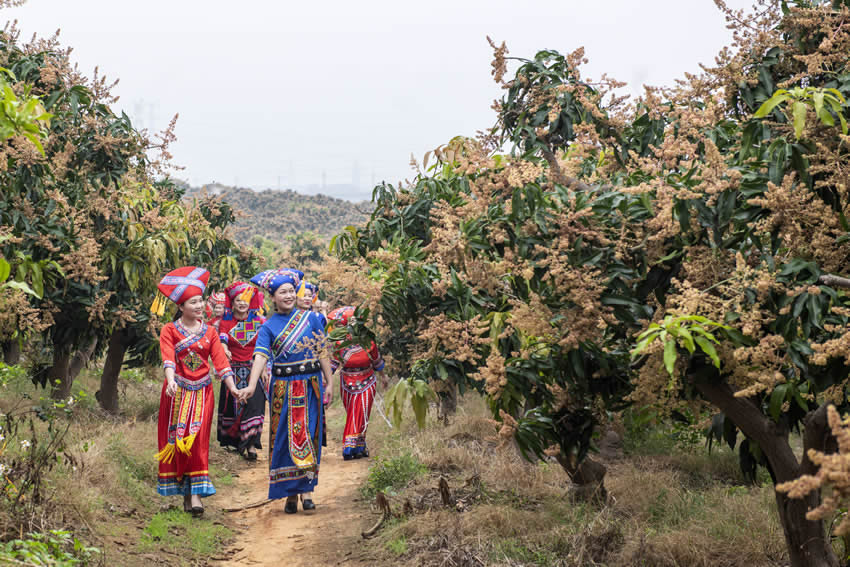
x=86 y=224
x=532 y=276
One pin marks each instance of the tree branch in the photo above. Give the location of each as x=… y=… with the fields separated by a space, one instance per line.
x=748 y=417
x=818 y=436
x=834 y=281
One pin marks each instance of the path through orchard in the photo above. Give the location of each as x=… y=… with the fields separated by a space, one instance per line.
x=328 y=536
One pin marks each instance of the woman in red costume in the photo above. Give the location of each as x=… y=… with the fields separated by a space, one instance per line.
x=187 y=399
x=360 y=368
x=240 y=425
x=215 y=308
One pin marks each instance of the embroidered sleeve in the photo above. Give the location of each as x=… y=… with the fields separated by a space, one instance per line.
x=219 y=359
x=264 y=342
x=166 y=346
x=223 y=338
x=375 y=357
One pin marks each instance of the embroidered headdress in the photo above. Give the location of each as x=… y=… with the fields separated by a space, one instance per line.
x=273 y=279
x=340 y=316
x=305 y=286
x=213 y=300
x=180 y=285
x=244 y=291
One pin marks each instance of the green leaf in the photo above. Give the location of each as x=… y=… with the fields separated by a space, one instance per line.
x=687 y=339
x=799 y=399
x=817 y=98
x=420 y=409
x=778 y=97
x=836 y=93
x=442 y=372
x=826 y=117
x=641 y=346
x=708 y=349
x=799 y=112
x=5 y=270
x=37 y=280
x=670 y=356
x=22 y=287
x=777 y=398
x=35 y=141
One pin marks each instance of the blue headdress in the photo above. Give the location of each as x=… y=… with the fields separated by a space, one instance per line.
x=273 y=279
x=305 y=285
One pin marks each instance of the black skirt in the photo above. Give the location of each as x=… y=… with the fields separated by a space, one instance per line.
x=241 y=425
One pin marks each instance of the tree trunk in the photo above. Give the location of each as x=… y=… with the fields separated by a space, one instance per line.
x=58 y=375
x=81 y=360
x=448 y=402
x=108 y=394
x=806 y=540
x=589 y=478
x=12 y=351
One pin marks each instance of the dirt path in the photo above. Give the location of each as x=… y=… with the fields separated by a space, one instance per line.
x=328 y=536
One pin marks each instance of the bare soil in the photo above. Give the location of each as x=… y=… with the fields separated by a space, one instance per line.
x=330 y=535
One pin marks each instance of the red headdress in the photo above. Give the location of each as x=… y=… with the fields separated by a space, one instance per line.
x=244 y=291
x=213 y=300
x=340 y=316
x=180 y=285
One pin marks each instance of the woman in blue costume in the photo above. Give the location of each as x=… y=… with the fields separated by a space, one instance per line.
x=293 y=339
x=307 y=298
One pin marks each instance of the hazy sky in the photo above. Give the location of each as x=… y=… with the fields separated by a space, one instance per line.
x=297 y=91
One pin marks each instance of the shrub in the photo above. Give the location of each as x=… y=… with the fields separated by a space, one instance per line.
x=390 y=475
x=56 y=548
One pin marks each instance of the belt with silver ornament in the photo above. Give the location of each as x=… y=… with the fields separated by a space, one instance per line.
x=304 y=367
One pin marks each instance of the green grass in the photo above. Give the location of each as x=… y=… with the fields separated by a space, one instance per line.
x=137 y=474
x=137 y=467
x=392 y=474
x=514 y=550
x=397 y=546
x=673 y=508
x=180 y=532
x=221 y=476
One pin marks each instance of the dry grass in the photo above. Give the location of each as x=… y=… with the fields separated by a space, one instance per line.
x=106 y=493
x=684 y=508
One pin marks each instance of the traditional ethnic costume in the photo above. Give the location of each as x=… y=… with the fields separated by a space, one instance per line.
x=214 y=300
x=357 y=386
x=315 y=290
x=241 y=425
x=295 y=392
x=185 y=420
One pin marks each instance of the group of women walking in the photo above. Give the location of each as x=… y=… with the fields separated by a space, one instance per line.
x=287 y=353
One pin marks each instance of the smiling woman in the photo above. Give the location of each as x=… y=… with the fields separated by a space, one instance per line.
x=187 y=398
x=292 y=339
x=240 y=425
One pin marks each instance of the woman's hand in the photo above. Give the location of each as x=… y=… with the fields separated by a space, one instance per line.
x=329 y=396
x=227 y=352
x=266 y=377
x=170 y=387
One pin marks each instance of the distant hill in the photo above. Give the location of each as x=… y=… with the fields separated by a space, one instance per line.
x=275 y=215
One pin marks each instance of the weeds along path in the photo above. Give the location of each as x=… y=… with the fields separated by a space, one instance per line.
x=328 y=536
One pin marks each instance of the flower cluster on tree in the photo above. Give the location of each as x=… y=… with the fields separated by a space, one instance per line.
x=715 y=209
x=89 y=223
